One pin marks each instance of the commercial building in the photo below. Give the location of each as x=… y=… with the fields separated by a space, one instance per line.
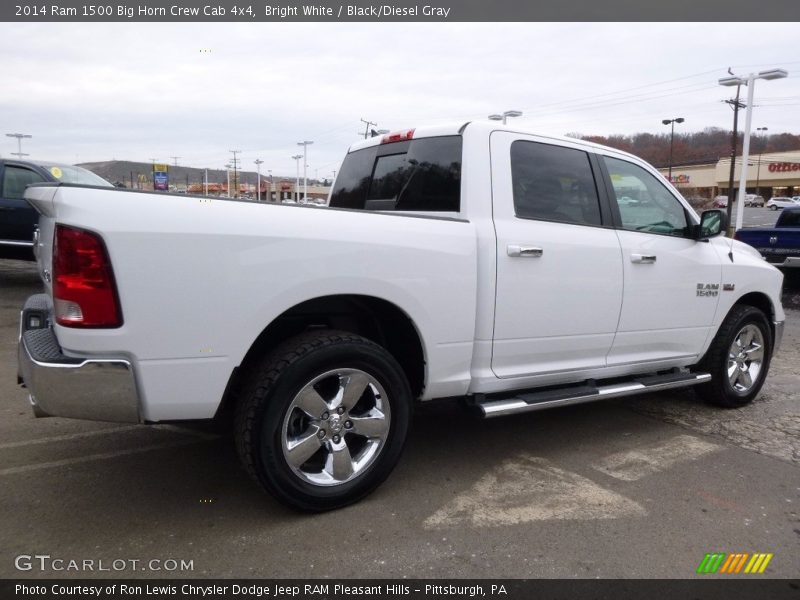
x=770 y=174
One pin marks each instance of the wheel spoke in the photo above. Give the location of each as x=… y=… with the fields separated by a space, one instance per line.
x=733 y=374
x=351 y=388
x=311 y=403
x=300 y=449
x=339 y=463
x=372 y=425
x=755 y=352
x=746 y=380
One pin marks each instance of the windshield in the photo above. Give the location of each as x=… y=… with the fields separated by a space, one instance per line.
x=72 y=174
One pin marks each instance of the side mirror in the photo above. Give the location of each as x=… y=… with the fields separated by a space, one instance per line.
x=712 y=223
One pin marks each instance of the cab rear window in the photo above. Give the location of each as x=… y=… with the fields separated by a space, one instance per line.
x=415 y=175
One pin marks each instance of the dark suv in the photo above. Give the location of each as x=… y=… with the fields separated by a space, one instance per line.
x=17 y=218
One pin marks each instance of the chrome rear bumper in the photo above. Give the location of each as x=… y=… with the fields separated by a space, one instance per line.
x=98 y=389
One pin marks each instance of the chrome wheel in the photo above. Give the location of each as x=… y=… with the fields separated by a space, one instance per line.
x=335 y=427
x=745 y=358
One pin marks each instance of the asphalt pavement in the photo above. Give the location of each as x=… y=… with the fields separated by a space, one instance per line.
x=643 y=487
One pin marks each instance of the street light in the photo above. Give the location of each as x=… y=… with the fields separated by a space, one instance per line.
x=305 y=146
x=258 y=162
x=671 y=139
x=758 y=169
x=750 y=82
x=297 y=158
x=19 y=153
x=505 y=115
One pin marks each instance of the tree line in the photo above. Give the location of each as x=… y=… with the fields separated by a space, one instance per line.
x=705 y=146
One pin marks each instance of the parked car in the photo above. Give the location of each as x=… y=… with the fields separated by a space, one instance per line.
x=780 y=245
x=466 y=260
x=17 y=217
x=777 y=202
x=753 y=200
x=720 y=202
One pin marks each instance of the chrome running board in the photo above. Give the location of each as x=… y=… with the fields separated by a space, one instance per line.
x=551 y=398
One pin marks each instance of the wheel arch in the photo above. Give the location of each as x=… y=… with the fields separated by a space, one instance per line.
x=762 y=302
x=376 y=319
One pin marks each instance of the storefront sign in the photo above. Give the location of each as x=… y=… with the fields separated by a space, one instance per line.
x=782 y=167
x=682 y=178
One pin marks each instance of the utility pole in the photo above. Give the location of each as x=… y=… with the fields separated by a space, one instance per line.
x=305 y=146
x=235 y=163
x=175 y=158
x=367 y=124
x=297 y=158
x=205 y=182
x=19 y=153
x=736 y=106
x=258 y=162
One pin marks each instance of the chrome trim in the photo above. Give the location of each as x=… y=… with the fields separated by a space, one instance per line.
x=776 y=343
x=510 y=406
x=16 y=243
x=94 y=389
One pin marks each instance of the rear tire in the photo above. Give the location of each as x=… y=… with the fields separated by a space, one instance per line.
x=738 y=359
x=321 y=422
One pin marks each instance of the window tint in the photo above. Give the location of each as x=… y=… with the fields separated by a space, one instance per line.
x=16 y=179
x=420 y=175
x=644 y=202
x=790 y=218
x=553 y=184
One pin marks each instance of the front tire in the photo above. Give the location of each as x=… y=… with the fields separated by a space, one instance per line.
x=738 y=359
x=322 y=420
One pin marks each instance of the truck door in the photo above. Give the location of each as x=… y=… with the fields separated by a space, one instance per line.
x=672 y=282
x=559 y=266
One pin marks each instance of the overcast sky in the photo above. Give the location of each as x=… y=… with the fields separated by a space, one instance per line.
x=91 y=92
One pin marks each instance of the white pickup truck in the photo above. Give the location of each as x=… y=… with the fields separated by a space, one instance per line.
x=474 y=260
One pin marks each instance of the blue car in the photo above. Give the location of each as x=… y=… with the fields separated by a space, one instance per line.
x=17 y=218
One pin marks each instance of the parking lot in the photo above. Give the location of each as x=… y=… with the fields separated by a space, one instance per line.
x=643 y=487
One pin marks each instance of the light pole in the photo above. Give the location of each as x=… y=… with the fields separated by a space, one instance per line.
x=305 y=146
x=19 y=153
x=750 y=82
x=297 y=158
x=671 y=139
x=505 y=115
x=258 y=162
x=758 y=168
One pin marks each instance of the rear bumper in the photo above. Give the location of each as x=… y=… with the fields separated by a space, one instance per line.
x=98 y=389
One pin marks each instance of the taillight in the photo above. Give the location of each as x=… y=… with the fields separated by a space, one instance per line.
x=84 y=292
x=398 y=136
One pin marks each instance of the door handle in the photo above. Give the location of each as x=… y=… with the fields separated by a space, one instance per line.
x=516 y=250
x=645 y=259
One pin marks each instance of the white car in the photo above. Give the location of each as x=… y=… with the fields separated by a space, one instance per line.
x=471 y=260
x=753 y=200
x=777 y=202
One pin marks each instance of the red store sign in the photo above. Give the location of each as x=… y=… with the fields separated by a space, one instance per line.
x=783 y=167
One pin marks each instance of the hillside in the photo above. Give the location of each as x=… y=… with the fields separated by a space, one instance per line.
x=705 y=146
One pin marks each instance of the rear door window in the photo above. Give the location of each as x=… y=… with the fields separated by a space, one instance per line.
x=16 y=179
x=416 y=175
x=553 y=183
